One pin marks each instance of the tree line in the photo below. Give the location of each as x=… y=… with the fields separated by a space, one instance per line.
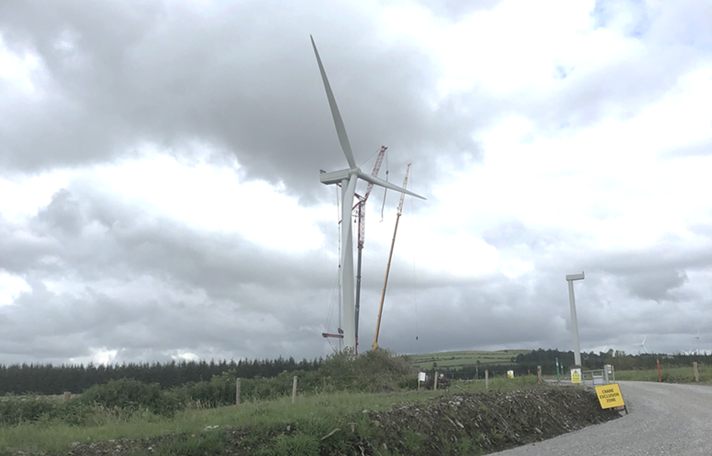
x=51 y=379
x=528 y=362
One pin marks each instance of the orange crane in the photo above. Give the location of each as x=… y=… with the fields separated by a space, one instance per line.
x=390 y=256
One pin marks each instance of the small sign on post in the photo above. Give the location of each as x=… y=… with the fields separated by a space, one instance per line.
x=610 y=396
x=421 y=378
x=575 y=375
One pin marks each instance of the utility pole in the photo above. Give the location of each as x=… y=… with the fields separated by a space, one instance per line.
x=574 y=322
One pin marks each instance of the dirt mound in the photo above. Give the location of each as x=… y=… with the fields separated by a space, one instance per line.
x=484 y=423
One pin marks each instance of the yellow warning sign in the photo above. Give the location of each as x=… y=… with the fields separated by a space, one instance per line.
x=610 y=396
x=575 y=375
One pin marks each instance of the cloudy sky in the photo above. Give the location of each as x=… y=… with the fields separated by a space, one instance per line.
x=159 y=175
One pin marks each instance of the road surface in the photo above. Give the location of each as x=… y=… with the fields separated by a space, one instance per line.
x=663 y=419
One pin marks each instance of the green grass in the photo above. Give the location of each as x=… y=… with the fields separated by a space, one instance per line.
x=669 y=375
x=313 y=416
x=465 y=358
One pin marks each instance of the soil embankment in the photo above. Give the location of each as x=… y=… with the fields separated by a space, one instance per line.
x=485 y=423
x=456 y=423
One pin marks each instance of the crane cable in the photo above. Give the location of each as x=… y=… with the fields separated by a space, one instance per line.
x=415 y=282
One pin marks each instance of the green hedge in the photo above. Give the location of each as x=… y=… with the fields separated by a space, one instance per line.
x=375 y=371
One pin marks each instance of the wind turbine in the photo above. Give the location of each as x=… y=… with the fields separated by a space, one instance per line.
x=699 y=339
x=642 y=345
x=347 y=178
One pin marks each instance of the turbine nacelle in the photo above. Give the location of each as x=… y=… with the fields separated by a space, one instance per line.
x=336 y=177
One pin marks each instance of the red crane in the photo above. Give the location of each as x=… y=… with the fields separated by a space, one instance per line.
x=360 y=211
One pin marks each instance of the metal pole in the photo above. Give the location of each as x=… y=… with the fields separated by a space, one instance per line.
x=557 y=370
x=574 y=321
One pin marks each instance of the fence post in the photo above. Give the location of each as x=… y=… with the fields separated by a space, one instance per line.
x=435 y=382
x=237 y=392
x=538 y=373
x=486 y=379
x=697 y=373
x=68 y=396
x=294 y=390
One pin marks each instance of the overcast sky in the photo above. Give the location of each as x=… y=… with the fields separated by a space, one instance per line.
x=160 y=194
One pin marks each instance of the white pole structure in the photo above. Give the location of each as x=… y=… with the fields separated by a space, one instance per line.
x=347 y=178
x=574 y=322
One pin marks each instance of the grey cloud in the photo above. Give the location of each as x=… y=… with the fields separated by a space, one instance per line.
x=455 y=10
x=658 y=285
x=63 y=213
x=696 y=150
x=149 y=287
x=242 y=79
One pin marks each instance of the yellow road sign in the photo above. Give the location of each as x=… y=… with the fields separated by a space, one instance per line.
x=575 y=375
x=610 y=396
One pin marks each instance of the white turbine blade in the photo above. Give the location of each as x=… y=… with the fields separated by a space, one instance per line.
x=374 y=180
x=340 y=130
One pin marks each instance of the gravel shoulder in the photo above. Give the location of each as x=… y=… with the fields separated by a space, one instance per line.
x=663 y=419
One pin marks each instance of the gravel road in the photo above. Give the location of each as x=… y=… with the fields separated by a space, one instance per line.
x=663 y=419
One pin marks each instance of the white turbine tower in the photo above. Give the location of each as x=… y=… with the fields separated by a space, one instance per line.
x=347 y=178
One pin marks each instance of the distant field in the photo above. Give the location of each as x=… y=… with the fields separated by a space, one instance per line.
x=668 y=374
x=465 y=358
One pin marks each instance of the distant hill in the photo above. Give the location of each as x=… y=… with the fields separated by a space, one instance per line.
x=456 y=359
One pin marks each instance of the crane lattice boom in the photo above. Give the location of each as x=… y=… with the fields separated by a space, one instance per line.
x=390 y=257
x=360 y=208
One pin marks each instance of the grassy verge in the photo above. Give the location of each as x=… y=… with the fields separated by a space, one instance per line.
x=669 y=375
x=202 y=431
